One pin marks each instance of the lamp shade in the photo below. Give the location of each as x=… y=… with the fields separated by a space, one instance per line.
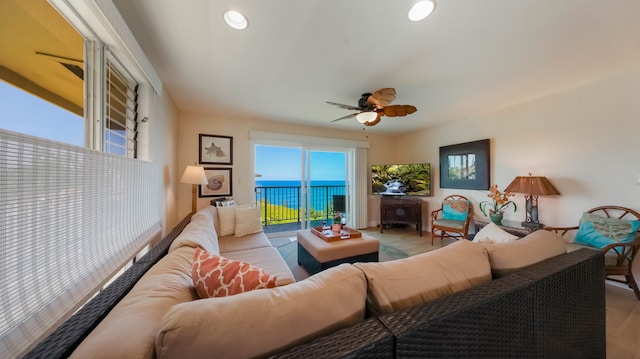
x=535 y=185
x=194 y=175
x=364 y=117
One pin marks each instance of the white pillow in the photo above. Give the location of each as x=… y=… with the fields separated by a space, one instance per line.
x=491 y=233
x=247 y=221
x=227 y=220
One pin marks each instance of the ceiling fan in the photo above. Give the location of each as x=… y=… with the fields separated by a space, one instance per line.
x=372 y=106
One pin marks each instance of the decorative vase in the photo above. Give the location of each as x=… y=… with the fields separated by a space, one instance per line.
x=496 y=217
x=336 y=227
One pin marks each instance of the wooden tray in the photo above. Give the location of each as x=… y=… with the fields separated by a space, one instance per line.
x=331 y=236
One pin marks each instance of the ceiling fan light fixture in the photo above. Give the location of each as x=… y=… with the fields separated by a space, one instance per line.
x=364 y=117
x=236 y=19
x=421 y=9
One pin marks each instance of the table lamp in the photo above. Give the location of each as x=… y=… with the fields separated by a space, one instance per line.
x=532 y=187
x=194 y=175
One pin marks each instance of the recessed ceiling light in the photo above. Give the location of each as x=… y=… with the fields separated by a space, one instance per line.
x=236 y=19
x=421 y=10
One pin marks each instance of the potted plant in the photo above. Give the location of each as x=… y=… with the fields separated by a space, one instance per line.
x=336 y=225
x=499 y=202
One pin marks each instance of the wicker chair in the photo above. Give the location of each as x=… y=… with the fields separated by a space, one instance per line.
x=452 y=219
x=618 y=256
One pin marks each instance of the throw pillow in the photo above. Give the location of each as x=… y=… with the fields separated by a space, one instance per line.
x=227 y=219
x=492 y=233
x=598 y=231
x=216 y=276
x=455 y=209
x=247 y=221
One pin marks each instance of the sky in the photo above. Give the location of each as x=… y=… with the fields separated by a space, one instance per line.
x=23 y=112
x=285 y=163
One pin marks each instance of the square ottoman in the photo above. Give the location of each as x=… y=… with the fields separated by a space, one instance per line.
x=316 y=254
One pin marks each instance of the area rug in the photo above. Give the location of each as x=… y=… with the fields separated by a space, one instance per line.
x=288 y=248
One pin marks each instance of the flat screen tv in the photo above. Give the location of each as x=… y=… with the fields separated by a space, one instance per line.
x=401 y=179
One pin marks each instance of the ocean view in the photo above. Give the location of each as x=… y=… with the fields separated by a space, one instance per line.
x=287 y=192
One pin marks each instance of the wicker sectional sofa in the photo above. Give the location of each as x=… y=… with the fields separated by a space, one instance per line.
x=551 y=308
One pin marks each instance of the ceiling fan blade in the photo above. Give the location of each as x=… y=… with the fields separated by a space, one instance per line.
x=399 y=110
x=346 y=117
x=382 y=97
x=346 y=107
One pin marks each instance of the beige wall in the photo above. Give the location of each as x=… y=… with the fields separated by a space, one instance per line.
x=163 y=150
x=584 y=140
x=191 y=125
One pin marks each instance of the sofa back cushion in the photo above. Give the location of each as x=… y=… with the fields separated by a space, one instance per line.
x=200 y=232
x=537 y=246
x=403 y=283
x=260 y=322
x=129 y=330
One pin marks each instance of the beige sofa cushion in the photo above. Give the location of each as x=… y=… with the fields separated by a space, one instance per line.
x=533 y=248
x=200 y=232
x=256 y=323
x=267 y=259
x=129 y=330
x=407 y=282
x=250 y=241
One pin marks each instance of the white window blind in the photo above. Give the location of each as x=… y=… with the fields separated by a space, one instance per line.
x=69 y=219
x=122 y=110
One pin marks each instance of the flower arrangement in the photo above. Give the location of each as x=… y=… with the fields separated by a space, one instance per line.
x=337 y=217
x=499 y=201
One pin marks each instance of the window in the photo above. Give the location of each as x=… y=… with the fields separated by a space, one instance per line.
x=121 y=119
x=47 y=69
x=41 y=72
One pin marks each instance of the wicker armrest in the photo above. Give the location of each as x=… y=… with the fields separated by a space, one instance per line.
x=434 y=214
x=561 y=230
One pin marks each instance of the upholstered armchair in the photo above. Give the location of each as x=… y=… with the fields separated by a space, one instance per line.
x=452 y=219
x=613 y=230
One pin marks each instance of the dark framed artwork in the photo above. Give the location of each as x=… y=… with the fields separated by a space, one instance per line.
x=220 y=183
x=465 y=165
x=215 y=149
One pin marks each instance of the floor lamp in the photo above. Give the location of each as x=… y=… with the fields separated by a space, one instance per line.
x=194 y=175
x=532 y=187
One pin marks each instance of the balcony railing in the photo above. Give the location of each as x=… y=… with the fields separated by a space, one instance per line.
x=281 y=205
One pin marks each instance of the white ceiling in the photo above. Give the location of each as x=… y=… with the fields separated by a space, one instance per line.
x=468 y=57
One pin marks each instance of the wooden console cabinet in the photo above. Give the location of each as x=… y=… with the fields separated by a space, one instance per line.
x=401 y=209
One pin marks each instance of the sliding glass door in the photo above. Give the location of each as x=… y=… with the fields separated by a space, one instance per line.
x=297 y=187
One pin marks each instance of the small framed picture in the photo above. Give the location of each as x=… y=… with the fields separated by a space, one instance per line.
x=216 y=150
x=219 y=183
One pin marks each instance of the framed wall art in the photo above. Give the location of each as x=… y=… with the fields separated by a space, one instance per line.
x=216 y=150
x=220 y=183
x=465 y=165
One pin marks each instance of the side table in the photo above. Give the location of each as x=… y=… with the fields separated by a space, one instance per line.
x=512 y=227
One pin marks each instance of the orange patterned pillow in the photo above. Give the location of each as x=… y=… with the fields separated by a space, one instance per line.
x=216 y=276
